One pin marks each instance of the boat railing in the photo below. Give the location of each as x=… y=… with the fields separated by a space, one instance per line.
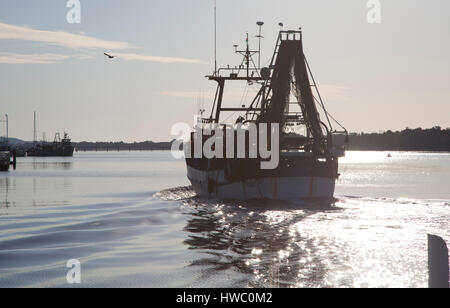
x=290 y=35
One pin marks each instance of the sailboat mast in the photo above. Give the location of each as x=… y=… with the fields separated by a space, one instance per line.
x=34 y=131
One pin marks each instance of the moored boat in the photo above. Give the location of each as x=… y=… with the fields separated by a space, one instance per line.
x=59 y=147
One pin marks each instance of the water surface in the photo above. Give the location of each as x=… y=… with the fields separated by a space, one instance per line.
x=132 y=220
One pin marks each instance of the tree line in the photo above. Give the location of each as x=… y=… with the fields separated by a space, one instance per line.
x=432 y=139
x=418 y=139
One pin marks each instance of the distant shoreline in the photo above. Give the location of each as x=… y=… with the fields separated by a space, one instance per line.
x=409 y=140
x=423 y=140
x=348 y=150
x=122 y=146
x=418 y=140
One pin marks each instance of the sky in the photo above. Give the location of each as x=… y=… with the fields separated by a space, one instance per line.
x=373 y=77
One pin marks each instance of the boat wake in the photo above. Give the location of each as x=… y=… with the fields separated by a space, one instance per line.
x=176 y=193
x=355 y=242
x=189 y=197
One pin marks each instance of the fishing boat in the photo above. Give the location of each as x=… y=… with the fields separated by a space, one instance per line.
x=307 y=147
x=59 y=147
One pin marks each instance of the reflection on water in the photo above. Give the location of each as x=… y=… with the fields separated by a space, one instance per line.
x=87 y=178
x=355 y=242
x=43 y=165
x=4 y=186
x=254 y=238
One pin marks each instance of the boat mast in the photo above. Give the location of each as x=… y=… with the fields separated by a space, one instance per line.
x=247 y=56
x=252 y=74
x=215 y=37
x=259 y=36
x=34 y=131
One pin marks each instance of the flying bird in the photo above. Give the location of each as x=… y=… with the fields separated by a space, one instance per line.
x=109 y=56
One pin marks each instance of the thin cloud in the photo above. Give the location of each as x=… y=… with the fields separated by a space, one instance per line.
x=334 y=93
x=329 y=93
x=58 y=38
x=47 y=58
x=188 y=94
x=140 y=57
x=231 y=95
x=72 y=41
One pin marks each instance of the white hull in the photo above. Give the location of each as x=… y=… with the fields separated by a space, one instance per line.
x=279 y=188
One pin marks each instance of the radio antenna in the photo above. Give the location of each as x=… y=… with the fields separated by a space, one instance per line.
x=259 y=36
x=215 y=37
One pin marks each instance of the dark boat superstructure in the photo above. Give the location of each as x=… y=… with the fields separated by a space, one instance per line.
x=59 y=147
x=308 y=161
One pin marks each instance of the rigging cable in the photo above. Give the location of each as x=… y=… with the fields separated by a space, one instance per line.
x=318 y=93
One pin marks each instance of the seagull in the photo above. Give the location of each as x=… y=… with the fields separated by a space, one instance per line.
x=109 y=56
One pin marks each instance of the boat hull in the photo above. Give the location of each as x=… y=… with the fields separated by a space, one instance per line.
x=297 y=184
x=51 y=152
